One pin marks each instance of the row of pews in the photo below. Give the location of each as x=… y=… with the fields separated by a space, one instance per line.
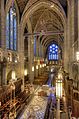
x=12 y=104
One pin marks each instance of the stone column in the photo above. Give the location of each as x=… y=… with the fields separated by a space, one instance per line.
x=71 y=37
x=4 y=65
x=65 y=50
x=36 y=69
x=3 y=41
x=3 y=26
x=58 y=109
x=67 y=40
x=4 y=81
x=37 y=54
x=21 y=54
x=31 y=58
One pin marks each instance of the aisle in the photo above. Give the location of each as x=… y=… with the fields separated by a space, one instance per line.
x=36 y=108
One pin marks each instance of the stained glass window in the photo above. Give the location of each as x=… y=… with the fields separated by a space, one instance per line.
x=53 y=52
x=7 y=31
x=11 y=29
x=35 y=46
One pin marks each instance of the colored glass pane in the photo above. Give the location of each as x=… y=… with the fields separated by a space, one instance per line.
x=53 y=52
x=11 y=29
x=7 y=31
x=15 y=33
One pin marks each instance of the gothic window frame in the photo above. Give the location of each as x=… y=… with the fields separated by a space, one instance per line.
x=53 y=52
x=11 y=29
x=35 y=46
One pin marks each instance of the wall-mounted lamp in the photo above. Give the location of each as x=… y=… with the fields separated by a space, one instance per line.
x=36 y=66
x=43 y=65
x=77 y=56
x=8 y=58
x=51 y=70
x=40 y=66
x=16 y=61
x=32 y=68
x=13 y=75
x=25 y=72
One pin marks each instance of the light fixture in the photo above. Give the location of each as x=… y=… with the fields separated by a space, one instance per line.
x=52 y=5
x=25 y=72
x=58 y=88
x=43 y=65
x=16 y=61
x=13 y=87
x=13 y=75
x=77 y=56
x=36 y=66
x=8 y=58
x=51 y=70
x=32 y=68
x=40 y=66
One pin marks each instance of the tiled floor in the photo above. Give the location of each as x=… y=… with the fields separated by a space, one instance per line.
x=36 y=108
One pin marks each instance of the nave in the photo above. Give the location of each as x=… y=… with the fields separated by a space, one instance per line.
x=44 y=106
x=39 y=58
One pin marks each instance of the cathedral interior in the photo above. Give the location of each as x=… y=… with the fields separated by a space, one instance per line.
x=39 y=59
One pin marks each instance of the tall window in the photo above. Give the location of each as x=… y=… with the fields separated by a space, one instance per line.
x=11 y=29
x=35 y=46
x=53 y=52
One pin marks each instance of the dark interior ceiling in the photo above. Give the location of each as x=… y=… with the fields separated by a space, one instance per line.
x=64 y=5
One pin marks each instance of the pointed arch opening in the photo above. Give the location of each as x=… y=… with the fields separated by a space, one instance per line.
x=54 y=52
x=11 y=29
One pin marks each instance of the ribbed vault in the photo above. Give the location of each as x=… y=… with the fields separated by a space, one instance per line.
x=46 y=18
x=22 y=4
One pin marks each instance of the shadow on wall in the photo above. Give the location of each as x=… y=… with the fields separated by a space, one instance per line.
x=75 y=71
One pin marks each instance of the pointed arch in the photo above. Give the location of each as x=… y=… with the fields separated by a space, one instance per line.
x=11 y=28
x=53 y=52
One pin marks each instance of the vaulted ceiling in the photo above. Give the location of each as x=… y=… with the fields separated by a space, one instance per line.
x=23 y=3
x=45 y=19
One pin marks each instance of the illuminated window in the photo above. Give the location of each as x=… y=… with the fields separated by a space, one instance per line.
x=34 y=46
x=53 y=52
x=11 y=29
